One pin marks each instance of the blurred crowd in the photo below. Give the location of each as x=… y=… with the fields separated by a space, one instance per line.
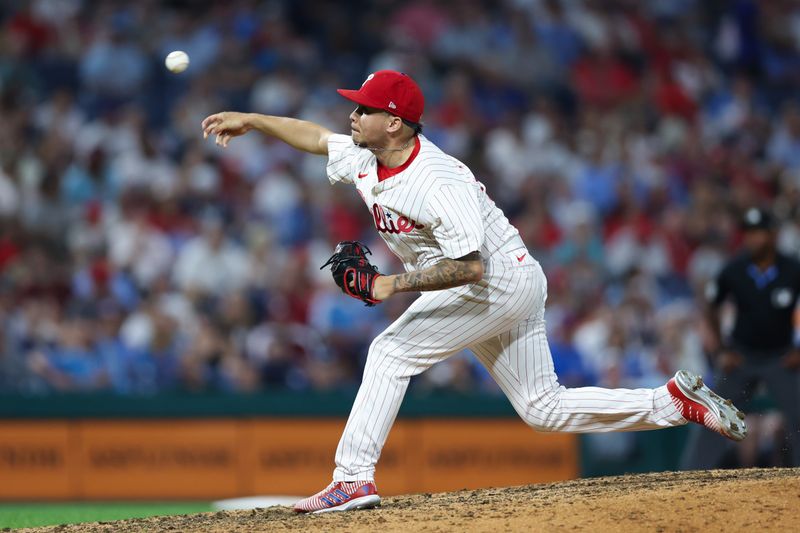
x=622 y=137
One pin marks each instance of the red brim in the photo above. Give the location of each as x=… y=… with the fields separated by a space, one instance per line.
x=359 y=98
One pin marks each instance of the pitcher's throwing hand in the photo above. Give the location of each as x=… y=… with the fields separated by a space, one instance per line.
x=225 y=126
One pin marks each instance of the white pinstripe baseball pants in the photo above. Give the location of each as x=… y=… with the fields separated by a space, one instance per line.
x=501 y=319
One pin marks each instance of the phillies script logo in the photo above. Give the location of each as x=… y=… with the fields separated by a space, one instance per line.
x=386 y=223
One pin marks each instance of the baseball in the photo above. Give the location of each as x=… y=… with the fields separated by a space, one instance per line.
x=177 y=61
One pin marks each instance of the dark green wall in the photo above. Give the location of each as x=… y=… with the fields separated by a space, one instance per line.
x=289 y=404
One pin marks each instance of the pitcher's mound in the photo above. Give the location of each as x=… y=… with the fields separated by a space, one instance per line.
x=718 y=500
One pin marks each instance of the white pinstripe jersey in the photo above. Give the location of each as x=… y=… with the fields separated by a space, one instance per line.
x=433 y=209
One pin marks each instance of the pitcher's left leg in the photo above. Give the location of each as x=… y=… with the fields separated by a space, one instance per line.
x=434 y=327
x=437 y=325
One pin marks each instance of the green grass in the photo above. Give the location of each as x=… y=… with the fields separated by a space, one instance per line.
x=46 y=514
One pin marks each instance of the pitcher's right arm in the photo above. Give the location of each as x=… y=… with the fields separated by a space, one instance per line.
x=301 y=134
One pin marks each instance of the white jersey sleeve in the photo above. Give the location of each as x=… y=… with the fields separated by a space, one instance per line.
x=342 y=156
x=457 y=223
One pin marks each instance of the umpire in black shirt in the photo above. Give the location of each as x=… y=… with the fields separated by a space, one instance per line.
x=764 y=286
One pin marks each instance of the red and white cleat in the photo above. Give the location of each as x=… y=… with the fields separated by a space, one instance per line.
x=341 y=496
x=697 y=403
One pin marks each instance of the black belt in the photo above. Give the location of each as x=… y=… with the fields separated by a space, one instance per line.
x=761 y=353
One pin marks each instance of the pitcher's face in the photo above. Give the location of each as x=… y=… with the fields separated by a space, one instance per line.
x=368 y=126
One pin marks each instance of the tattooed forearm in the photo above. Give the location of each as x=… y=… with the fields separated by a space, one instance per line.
x=443 y=275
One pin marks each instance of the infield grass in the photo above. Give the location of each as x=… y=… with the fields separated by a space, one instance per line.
x=15 y=515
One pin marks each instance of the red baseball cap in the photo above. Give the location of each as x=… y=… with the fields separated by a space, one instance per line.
x=391 y=91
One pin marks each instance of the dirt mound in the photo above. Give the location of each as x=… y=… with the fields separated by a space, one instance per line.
x=719 y=500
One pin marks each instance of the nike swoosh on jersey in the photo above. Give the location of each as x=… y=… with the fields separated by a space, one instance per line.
x=521 y=257
x=363 y=175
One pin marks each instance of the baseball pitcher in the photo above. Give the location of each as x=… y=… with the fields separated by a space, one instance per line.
x=481 y=289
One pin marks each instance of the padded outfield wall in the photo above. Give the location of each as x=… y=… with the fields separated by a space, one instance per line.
x=217 y=446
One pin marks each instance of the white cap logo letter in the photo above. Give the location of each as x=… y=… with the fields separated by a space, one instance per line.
x=368 y=78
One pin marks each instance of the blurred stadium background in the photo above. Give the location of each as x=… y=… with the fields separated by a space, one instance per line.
x=159 y=294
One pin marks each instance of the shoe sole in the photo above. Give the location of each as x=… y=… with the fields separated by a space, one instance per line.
x=731 y=419
x=364 y=502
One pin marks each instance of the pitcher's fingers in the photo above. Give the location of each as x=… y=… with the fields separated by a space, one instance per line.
x=223 y=139
x=210 y=123
x=212 y=130
x=211 y=119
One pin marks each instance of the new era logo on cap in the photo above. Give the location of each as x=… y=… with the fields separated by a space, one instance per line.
x=391 y=91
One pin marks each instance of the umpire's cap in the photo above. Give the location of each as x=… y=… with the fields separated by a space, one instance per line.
x=756 y=218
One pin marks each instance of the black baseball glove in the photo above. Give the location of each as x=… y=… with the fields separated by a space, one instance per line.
x=352 y=272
